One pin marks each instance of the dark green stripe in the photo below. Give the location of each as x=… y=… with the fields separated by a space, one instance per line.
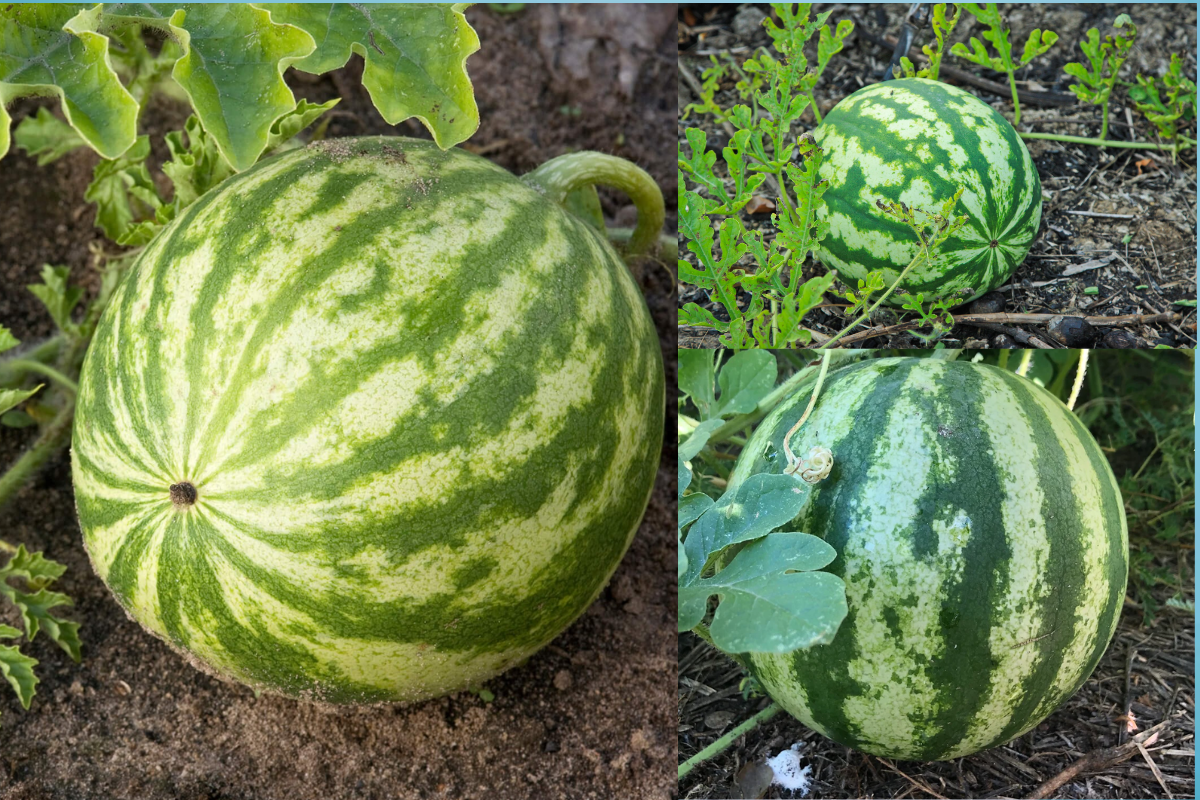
x=829 y=512
x=962 y=672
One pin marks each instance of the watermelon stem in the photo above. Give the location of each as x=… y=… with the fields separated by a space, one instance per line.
x=1080 y=371
x=30 y=365
x=794 y=462
x=53 y=437
x=560 y=176
x=1054 y=137
x=720 y=745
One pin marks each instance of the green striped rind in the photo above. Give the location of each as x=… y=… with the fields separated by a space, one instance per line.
x=421 y=405
x=982 y=539
x=916 y=141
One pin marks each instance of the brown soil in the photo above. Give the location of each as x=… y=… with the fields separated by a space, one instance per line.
x=591 y=716
x=1156 y=267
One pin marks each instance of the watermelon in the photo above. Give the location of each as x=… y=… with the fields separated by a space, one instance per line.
x=982 y=539
x=916 y=141
x=371 y=421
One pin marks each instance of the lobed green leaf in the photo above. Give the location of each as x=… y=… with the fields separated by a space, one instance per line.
x=54 y=48
x=771 y=600
x=414 y=58
x=46 y=137
x=17 y=669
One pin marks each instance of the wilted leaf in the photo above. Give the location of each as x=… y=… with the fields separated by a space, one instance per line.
x=415 y=58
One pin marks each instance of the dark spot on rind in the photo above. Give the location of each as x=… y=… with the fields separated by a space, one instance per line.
x=183 y=494
x=995 y=243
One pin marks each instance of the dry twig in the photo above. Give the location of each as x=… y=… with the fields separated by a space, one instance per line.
x=1100 y=759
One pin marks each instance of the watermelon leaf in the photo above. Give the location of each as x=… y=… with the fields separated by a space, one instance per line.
x=17 y=669
x=745 y=379
x=47 y=137
x=59 y=299
x=771 y=601
x=697 y=378
x=123 y=191
x=414 y=58
x=752 y=510
x=35 y=606
x=11 y=398
x=698 y=438
x=54 y=48
x=692 y=506
x=692 y=314
x=7 y=340
x=1179 y=102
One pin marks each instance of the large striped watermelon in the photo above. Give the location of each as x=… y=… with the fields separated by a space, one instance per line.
x=371 y=421
x=982 y=539
x=916 y=141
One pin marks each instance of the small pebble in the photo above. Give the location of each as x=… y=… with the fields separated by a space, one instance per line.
x=748 y=22
x=1004 y=342
x=754 y=779
x=562 y=680
x=1119 y=339
x=1071 y=331
x=716 y=720
x=990 y=303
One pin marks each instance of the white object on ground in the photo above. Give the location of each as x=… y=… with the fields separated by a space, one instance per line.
x=788 y=772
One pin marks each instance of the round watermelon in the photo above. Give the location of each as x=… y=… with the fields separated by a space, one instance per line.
x=372 y=421
x=982 y=539
x=916 y=141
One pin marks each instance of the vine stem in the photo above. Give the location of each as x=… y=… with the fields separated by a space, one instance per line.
x=45 y=446
x=1026 y=360
x=560 y=176
x=725 y=741
x=1079 y=373
x=1104 y=142
x=668 y=246
x=28 y=365
x=878 y=303
x=792 y=461
x=769 y=402
x=1012 y=83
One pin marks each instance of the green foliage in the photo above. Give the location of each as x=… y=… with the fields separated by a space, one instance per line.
x=771 y=597
x=997 y=36
x=36 y=603
x=1176 y=104
x=931 y=229
x=774 y=314
x=228 y=59
x=935 y=315
x=942 y=28
x=1096 y=84
x=414 y=58
x=60 y=300
x=779 y=91
x=711 y=82
x=55 y=49
x=1141 y=406
x=46 y=137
